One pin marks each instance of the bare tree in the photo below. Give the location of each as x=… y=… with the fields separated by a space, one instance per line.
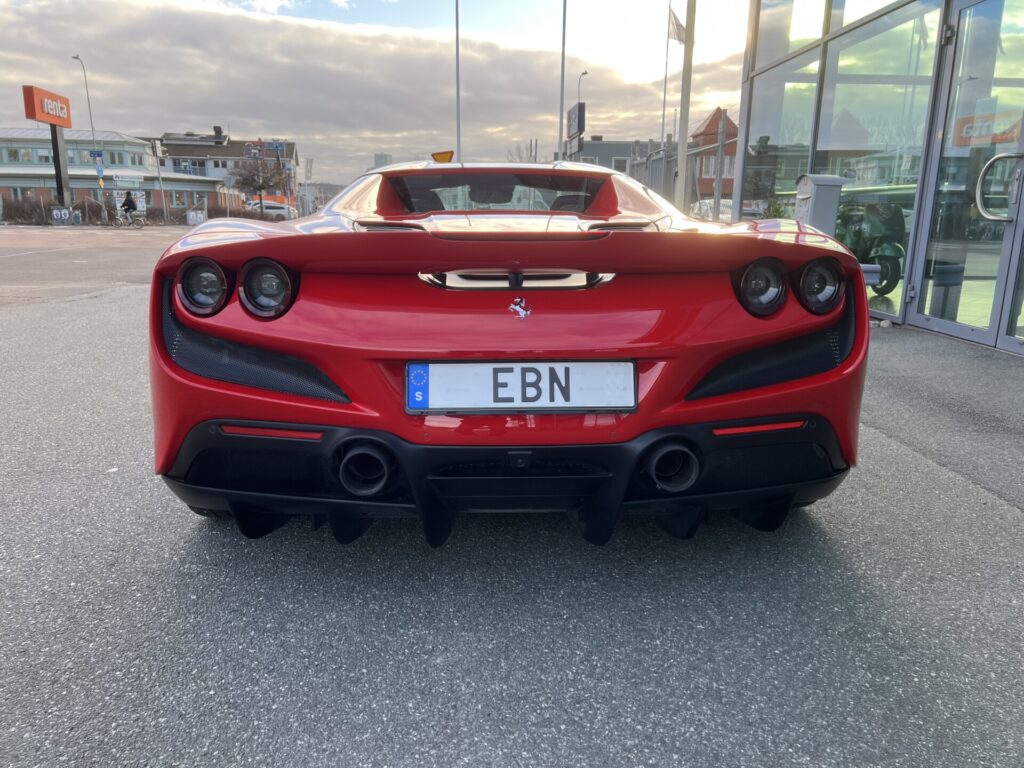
x=256 y=176
x=521 y=154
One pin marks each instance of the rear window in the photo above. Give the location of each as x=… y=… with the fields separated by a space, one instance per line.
x=427 y=193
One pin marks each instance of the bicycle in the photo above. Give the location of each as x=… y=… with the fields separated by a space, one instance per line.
x=121 y=219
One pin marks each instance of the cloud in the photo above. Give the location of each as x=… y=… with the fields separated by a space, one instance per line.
x=341 y=92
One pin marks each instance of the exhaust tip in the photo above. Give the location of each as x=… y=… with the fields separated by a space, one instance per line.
x=673 y=467
x=365 y=470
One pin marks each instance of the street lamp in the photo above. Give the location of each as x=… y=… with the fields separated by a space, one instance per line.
x=92 y=128
x=579 y=81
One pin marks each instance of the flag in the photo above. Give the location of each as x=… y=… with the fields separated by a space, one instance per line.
x=676 y=30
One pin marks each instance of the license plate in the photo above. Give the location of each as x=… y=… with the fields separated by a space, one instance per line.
x=527 y=386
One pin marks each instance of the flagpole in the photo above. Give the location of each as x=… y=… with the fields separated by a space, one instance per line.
x=664 y=87
x=684 y=104
x=458 y=92
x=561 y=88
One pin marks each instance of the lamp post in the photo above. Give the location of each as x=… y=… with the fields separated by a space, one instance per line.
x=560 y=150
x=579 y=81
x=92 y=127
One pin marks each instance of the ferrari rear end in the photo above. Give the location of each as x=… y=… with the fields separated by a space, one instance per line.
x=409 y=355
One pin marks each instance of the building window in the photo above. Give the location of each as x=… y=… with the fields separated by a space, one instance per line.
x=784 y=26
x=708 y=163
x=137 y=158
x=779 y=132
x=43 y=156
x=178 y=199
x=19 y=155
x=220 y=163
x=199 y=198
x=620 y=164
x=115 y=158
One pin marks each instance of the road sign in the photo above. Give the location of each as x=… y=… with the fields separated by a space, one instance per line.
x=126 y=182
x=99 y=170
x=577 y=122
x=443 y=157
x=96 y=154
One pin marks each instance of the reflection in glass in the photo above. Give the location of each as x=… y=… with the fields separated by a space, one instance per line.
x=845 y=13
x=1015 y=326
x=983 y=119
x=786 y=25
x=874 y=112
x=781 y=108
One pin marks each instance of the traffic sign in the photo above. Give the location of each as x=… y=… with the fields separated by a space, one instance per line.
x=96 y=153
x=443 y=157
x=99 y=170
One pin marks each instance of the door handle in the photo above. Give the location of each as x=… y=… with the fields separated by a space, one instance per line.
x=1011 y=197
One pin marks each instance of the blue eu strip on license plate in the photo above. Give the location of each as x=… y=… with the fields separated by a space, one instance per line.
x=418 y=386
x=521 y=386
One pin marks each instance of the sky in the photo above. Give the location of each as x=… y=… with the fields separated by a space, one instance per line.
x=348 y=78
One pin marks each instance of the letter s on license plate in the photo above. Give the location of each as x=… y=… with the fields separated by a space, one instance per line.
x=530 y=386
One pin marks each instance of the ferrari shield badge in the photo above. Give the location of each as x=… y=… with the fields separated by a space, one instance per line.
x=519 y=308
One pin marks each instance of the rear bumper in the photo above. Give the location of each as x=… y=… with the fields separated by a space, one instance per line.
x=742 y=464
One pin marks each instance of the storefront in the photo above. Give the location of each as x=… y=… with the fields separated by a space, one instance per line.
x=918 y=105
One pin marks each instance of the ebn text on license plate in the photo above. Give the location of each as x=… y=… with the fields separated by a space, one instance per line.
x=520 y=386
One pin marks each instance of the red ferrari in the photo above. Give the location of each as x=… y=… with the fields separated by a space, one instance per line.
x=445 y=339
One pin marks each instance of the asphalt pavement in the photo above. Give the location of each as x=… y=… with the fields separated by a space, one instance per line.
x=883 y=626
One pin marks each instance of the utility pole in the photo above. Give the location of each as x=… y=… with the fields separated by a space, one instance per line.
x=458 y=91
x=92 y=127
x=684 y=104
x=560 y=150
x=160 y=180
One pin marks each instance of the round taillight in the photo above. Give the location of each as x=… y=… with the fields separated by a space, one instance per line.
x=202 y=286
x=265 y=288
x=820 y=286
x=762 y=288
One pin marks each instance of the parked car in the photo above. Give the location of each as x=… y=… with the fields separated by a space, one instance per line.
x=420 y=349
x=274 y=211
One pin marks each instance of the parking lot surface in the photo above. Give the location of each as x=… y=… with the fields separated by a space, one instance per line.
x=880 y=627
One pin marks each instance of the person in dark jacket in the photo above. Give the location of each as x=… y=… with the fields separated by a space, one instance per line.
x=129 y=206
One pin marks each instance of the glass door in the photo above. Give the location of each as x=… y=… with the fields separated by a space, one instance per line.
x=973 y=237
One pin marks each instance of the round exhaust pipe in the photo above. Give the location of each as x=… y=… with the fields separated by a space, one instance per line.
x=672 y=466
x=365 y=470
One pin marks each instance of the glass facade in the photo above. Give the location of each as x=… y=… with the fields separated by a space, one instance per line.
x=918 y=107
x=787 y=25
x=872 y=132
x=983 y=120
x=780 y=127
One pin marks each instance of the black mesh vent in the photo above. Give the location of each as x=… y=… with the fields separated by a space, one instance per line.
x=793 y=359
x=224 y=360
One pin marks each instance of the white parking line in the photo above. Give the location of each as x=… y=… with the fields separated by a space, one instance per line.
x=28 y=253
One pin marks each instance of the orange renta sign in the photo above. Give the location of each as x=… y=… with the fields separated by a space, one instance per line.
x=46 y=106
x=983 y=130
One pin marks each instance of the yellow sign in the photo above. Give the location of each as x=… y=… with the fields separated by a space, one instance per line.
x=443 y=157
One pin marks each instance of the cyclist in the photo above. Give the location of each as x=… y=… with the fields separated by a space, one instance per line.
x=129 y=206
